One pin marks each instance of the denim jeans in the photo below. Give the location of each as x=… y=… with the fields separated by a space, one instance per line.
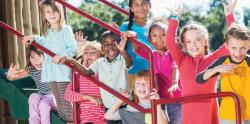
x=174 y=112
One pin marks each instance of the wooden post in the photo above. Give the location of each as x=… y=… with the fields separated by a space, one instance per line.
x=35 y=16
x=27 y=18
x=19 y=25
x=12 y=40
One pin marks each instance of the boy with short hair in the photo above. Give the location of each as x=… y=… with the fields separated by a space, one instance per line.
x=234 y=72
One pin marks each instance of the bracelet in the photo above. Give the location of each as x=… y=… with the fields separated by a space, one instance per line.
x=176 y=17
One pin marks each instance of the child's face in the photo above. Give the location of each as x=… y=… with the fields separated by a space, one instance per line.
x=157 y=38
x=109 y=48
x=142 y=88
x=36 y=60
x=53 y=17
x=238 y=49
x=194 y=43
x=140 y=8
x=90 y=55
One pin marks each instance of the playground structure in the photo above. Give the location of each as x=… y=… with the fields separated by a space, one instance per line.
x=154 y=102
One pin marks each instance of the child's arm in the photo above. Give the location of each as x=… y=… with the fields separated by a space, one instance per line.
x=171 y=40
x=72 y=96
x=29 y=39
x=228 y=10
x=112 y=113
x=161 y=119
x=13 y=74
x=71 y=46
x=136 y=48
x=215 y=69
x=78 y=66
x=79 y=37
x=175 y=79
x=121 y=47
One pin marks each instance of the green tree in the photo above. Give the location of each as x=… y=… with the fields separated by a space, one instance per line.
x=98 y=10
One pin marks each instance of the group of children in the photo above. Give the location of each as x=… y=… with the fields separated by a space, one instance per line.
x=179 y=71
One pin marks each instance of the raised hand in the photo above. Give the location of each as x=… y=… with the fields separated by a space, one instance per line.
x=124 y=39
x=229 y=8
x=177 y=10
x=79 y=37
x=12 y=72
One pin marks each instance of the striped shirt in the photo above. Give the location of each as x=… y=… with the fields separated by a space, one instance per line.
x=88 y=112
x=43 y=88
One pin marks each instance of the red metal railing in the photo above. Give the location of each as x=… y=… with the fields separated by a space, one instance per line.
x=154 y=103
x=207 y=96
x=125 y=12
x=115 y=93
x=118 y=32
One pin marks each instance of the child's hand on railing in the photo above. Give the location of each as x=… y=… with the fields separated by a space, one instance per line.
x=56 y=59
x=154 y=95
x=66 y=60
x=27 y=39
x=113 y=24
x=125 y=93
x=229 y=8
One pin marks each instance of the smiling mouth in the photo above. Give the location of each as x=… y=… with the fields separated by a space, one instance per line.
x=195 y=50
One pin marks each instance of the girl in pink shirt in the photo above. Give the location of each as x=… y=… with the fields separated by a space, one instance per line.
x=194 y=38
x=88 y=95
x=165 y=68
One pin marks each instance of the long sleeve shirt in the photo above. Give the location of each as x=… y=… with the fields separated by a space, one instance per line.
x=88 y=112
x=202 y=111
x=62 y=43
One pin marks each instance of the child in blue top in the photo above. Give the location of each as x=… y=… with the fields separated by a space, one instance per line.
x=59 y=38
x=138 y=22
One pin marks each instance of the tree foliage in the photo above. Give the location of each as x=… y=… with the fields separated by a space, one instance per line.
x=213 y=19
x=98 y=10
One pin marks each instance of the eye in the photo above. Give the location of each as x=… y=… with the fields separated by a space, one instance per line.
x=188 y=41
x=145 y=3
x=243 y=48
x=154 y=35
x=233 y=48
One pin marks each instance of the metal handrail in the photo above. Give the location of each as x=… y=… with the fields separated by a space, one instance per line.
x=125 y=12
x=206 y=96
x=154 y=102
x=115 y=93
x=134 y=40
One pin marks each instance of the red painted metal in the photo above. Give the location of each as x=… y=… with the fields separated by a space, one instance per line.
x=207 y=96
x=118 y=32
x=75 y=104
x=125 y=12
x=7 y=27
x=155 y=102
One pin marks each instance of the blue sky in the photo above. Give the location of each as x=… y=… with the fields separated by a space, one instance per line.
x=159 y=5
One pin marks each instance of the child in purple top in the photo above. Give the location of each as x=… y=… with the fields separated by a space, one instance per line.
x=165 y=68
